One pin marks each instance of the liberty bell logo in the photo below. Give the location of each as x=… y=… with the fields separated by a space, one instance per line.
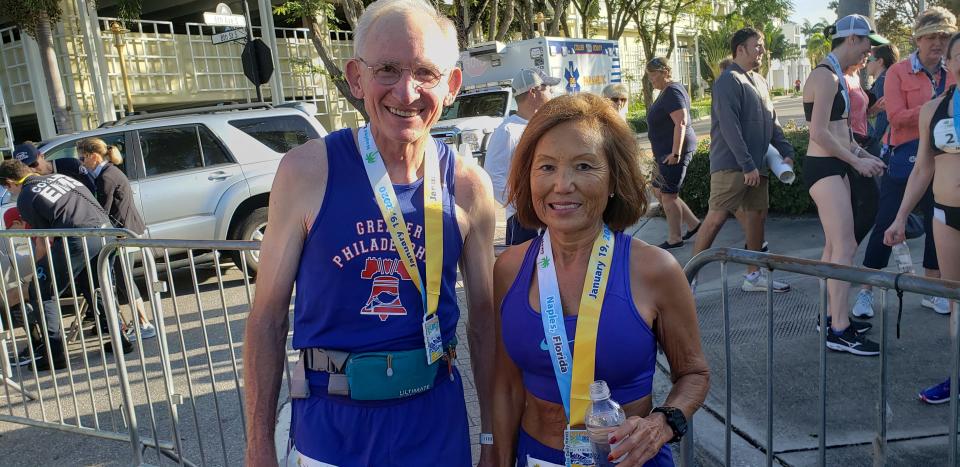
x=384 y=299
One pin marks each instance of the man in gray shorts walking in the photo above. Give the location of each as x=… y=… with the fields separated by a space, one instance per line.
x=743 y=125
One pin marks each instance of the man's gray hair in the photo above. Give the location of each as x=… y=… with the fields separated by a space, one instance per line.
x=380 y=8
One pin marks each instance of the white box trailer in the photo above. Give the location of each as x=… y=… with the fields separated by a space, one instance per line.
x=584 y=65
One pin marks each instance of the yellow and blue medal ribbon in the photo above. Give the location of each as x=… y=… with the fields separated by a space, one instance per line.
x=389 y=205
x=574 y=376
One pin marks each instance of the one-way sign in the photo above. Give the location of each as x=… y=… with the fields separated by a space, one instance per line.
x=228 y=36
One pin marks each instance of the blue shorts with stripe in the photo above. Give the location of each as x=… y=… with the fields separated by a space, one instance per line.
x=430 y=428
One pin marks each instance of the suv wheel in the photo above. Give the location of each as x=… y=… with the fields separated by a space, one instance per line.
x=251 y=228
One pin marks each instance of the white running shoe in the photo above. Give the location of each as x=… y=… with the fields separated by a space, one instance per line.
x=758 y=280
x=864 y=306
x=937 y=304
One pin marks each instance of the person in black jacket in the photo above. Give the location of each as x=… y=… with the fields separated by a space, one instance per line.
x=33 y=158
x=113 y=192
x=58 y=202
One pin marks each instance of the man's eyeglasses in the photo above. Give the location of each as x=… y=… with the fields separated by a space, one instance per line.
x=619 y=100
x=388 y=74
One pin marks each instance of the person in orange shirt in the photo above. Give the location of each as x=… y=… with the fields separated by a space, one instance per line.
x=909 y=85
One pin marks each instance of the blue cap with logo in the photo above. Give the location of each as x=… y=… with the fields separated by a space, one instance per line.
x=26 y=153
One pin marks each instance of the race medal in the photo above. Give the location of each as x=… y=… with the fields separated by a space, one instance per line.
x=945 y=135
x=432 y=339
x=577 y=450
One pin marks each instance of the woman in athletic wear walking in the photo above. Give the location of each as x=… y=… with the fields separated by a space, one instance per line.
x=938 y=160
x=832 y=154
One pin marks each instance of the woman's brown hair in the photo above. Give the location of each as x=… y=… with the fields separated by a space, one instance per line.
x=98 y=146
x=619 y=145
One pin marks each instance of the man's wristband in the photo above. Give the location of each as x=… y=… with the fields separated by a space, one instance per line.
x=486 y=438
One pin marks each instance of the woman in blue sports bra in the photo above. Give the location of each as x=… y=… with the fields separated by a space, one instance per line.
x=938 y=160
x=584 y=289
x=831 y=156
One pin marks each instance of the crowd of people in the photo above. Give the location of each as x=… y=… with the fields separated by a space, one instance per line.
x=372 y=225
x=89 y=191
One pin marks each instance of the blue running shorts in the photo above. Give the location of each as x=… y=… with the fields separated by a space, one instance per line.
x=427 y=429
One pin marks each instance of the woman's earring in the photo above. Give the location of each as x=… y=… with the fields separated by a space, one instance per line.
x=611 y=195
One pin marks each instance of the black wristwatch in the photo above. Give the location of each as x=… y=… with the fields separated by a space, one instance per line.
x=676 y=420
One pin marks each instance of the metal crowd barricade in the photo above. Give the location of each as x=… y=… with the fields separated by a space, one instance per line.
x=823 y=271
x=72 y=398
x=186 y=386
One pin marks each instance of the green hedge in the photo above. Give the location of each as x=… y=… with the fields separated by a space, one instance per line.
x=784 y=199
x=639 y=121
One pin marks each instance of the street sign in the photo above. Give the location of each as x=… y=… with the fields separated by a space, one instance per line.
x=224 y=17
x=228 y=36
x=257 y=62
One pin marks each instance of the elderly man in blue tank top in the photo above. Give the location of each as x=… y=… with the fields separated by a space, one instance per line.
x=371 y=225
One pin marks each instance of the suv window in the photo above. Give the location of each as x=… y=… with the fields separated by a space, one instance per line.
x=173 y=149
x=69 y=149
x=213 y=153
x=488 y=104
x=280 y=134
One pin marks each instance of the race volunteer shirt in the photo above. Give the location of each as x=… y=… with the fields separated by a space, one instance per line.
x=59 y=202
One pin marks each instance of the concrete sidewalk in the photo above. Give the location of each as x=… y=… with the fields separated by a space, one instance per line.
x=916 y=431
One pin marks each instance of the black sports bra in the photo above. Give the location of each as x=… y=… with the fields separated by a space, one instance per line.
x=839 y=104
x=943 y=135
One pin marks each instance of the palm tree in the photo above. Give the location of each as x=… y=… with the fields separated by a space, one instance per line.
x=818 y=46
x=38 y=18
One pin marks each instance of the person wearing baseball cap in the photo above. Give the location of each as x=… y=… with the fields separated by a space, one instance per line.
x=531 y=89
x=856 y=25
x=27 y=153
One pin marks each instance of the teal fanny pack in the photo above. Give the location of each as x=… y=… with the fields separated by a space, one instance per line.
x=370 y=376
x=376 y=376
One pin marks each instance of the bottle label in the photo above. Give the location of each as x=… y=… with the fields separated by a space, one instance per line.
x=577 y=451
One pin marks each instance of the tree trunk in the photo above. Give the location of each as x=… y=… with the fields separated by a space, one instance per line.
x=506 y=21
x=527 y=16
x=51 y=71
x=494 y=20
x=559 y=17
x=318 y=35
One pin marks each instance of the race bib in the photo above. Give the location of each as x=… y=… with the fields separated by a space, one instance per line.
x=945 y=136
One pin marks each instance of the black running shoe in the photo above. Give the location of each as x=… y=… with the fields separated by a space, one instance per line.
x=763 y=248
x=124 y=343
x=22 y=358
x=691 y=233
x=859 y=327
x=666 y=245
x=850 y=341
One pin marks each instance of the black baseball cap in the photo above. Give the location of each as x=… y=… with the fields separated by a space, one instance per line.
x=26 y=153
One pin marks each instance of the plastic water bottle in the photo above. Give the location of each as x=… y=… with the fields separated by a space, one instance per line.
x=901 y=253
x=603 y=416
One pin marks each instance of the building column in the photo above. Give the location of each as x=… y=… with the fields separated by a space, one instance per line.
x=38 y=87
x=270 y=38
x=96 y=61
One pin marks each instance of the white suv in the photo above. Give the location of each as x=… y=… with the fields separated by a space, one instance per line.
x=203 y=174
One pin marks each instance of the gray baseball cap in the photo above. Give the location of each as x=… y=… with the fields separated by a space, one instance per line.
x=529 y=78
x=857 y=25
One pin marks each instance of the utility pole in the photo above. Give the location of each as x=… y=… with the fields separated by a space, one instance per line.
x=860 y=7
